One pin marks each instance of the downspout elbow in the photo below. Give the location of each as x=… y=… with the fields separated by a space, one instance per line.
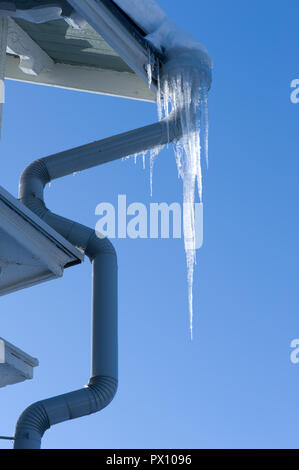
x=31 y=187
x=39 y=416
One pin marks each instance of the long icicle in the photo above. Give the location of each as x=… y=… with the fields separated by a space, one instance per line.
x=186 y=92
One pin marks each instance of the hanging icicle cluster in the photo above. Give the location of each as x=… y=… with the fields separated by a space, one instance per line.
x=183 y=91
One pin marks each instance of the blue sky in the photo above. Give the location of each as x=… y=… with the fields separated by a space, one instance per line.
x=234 y=386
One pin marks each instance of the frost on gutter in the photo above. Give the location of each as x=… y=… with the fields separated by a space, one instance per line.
x=183 y=86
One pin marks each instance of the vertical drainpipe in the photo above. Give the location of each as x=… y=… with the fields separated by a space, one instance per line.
x=99 y=392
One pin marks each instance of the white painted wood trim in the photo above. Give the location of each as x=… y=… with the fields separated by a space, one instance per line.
x=3 y=44
x=88 y=79
x=34 y=220
x=15 y=365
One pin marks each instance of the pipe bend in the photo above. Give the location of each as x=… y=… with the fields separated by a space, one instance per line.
x=31 y=426
x=39 y=416
x=98 y=245
x=35 y=176
x=103 y=389
x=40 y=172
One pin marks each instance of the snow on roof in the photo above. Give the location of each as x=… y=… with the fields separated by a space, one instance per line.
x=161 y=31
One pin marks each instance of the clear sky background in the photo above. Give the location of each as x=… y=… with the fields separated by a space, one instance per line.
x=234 y=386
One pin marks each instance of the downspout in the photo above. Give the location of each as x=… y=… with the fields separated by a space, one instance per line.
x=99 y=392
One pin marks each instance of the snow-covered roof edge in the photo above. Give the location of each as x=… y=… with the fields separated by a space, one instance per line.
x=160 y=30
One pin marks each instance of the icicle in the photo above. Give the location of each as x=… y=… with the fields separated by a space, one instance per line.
x=153 y=153
x=206 y=125
x=159 y=97
x=186 y=91
x=3 y=46
x=149 y=68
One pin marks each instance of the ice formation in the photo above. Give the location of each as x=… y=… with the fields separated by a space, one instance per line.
x=184 y=92
x=183 y=86
x=160 y=30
